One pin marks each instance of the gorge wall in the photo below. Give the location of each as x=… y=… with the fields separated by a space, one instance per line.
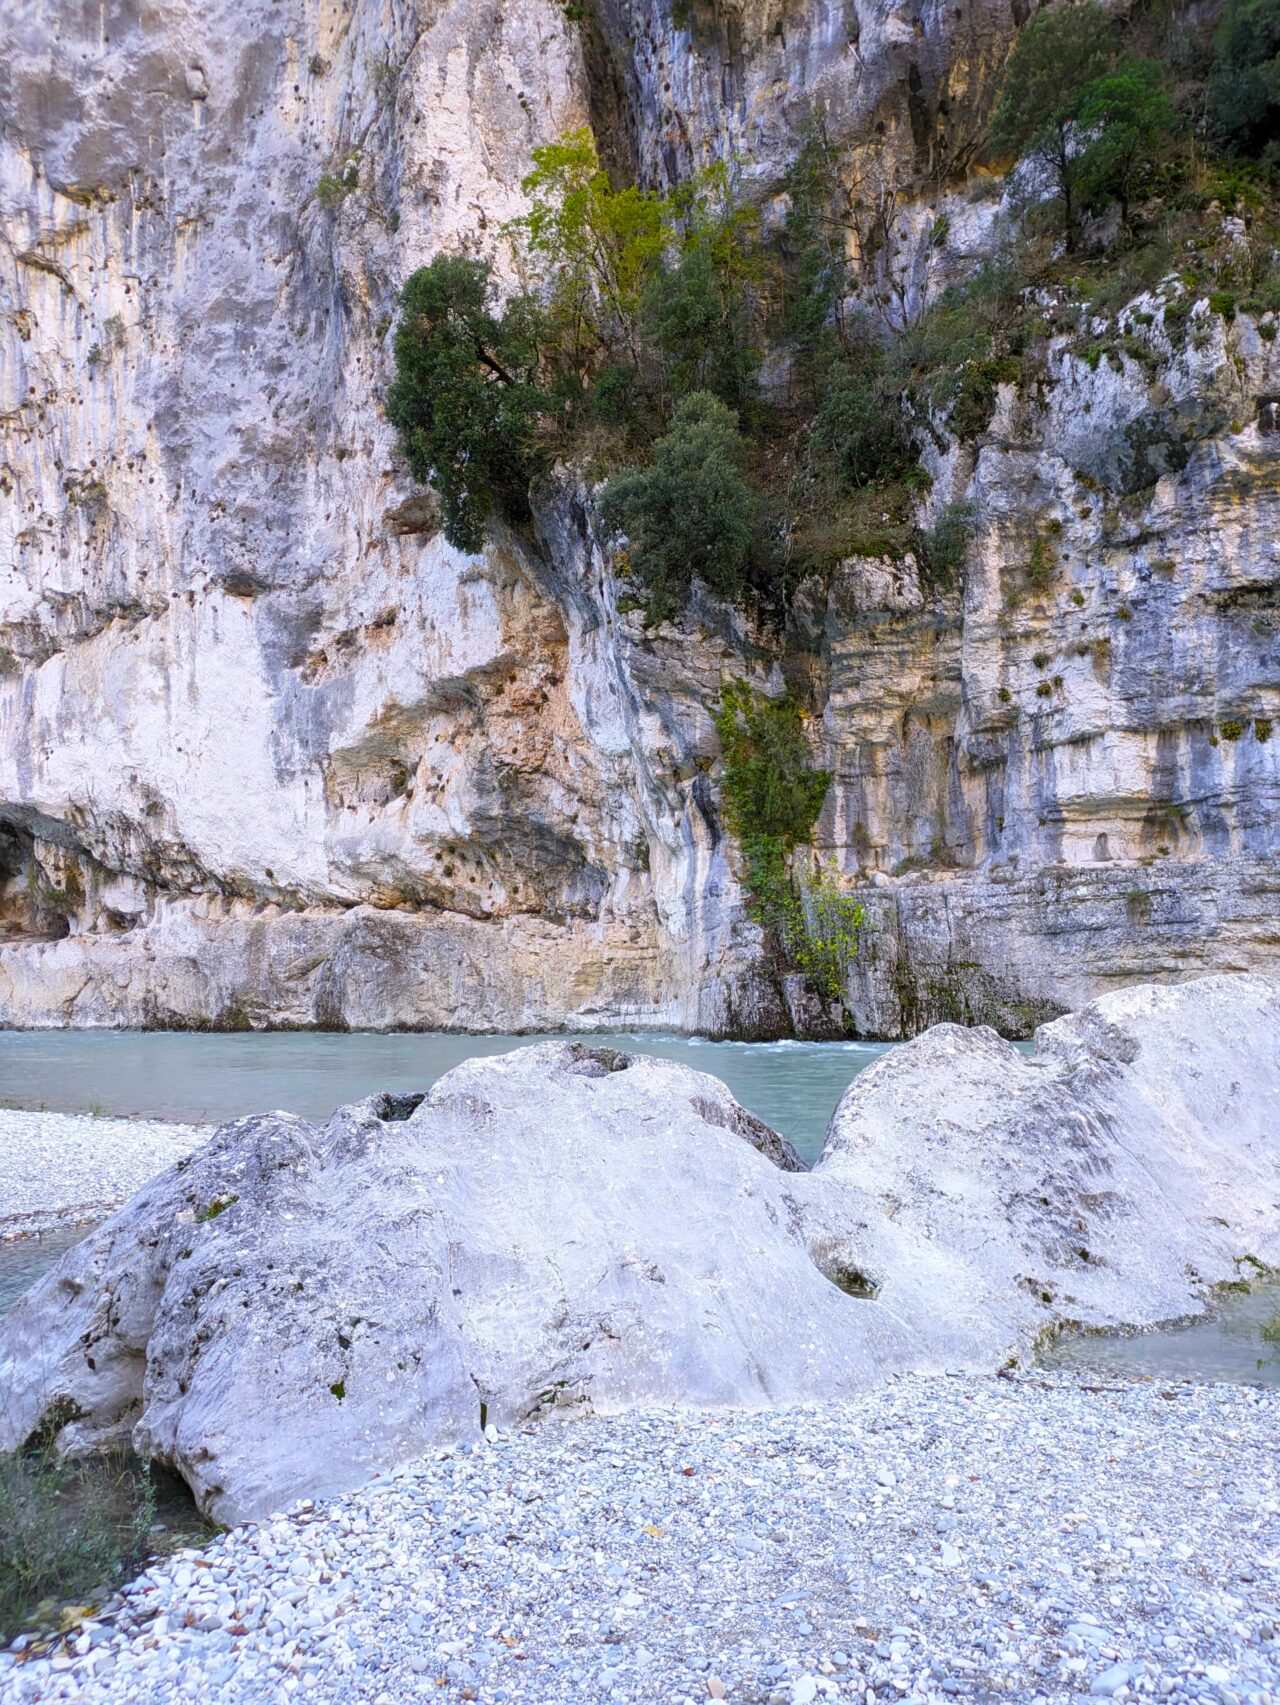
x=273 y=753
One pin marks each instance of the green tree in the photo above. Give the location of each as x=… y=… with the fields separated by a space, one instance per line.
x=703 y=310
x=1054 y=60
x=465 y=400
x=859 y=429
x=1125 y=116
x=815 y=238
x=699 y=324
x=595 y=247
x=693 y=511
x=1244 y=83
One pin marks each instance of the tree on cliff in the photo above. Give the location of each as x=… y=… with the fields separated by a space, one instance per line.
x=1124 y=116
x=465 y=399
x=1054 y=60
x=1244 y=84
x=692 y=511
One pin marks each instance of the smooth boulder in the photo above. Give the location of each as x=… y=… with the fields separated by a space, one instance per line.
x=293 y=1308
x=1110 y=1178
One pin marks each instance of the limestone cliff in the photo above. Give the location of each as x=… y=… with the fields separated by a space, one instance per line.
x=272 y=752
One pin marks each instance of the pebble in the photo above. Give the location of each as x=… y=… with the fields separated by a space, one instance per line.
x=57 y=1167
x=580 y=1562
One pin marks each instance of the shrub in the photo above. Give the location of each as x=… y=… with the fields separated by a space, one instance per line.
x=66 y=1527
x=333 y=190
x=464 y=399
x=1041 y=564
x=693 y=511
x=861 y=432
x=946 y=543
x=975 y=395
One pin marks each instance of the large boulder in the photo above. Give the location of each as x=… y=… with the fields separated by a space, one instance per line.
x=1109 y=1178
x=292 y=1308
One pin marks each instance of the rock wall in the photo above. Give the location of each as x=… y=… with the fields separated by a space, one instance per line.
x=272 y=752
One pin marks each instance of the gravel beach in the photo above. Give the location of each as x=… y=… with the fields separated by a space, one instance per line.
x=943 y=1538
x=60 y=1167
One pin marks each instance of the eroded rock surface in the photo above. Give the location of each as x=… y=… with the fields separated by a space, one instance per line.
x=293 y=1308
x=297 y=1307
x=1132 y=1160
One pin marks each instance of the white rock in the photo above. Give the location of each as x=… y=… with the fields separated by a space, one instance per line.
x=565 y=1225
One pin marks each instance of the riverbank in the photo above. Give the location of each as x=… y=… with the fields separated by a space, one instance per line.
x=941 y=1538
x=59 y=1169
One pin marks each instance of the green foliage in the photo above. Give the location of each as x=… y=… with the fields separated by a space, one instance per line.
x=1054 y=60
x=823 y=930
x=772 y=798
x=218 y=1206
x=332 y=190
x=771 y=790
x=693 y=511
x=703 y=310
x=944 y=545
x=860 y=429
x=1042 y=564
x=816 y=272
x=963 y=348
x=596 y=248
x=465 y=400
x=695 y=321
x=1126 y=117
x=1243 y=93
x=66 y=1527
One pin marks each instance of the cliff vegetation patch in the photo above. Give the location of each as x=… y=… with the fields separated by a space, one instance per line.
x=766 y=357
x=773 y=796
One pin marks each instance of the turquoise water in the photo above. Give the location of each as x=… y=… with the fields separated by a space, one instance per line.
x=24 y=1259
x=1224 y=1343
x=793 y=1086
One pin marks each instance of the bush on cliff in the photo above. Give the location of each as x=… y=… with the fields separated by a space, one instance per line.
x=693 y=511
x=465 y=398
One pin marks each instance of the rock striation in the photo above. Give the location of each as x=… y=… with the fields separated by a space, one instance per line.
x=291 y=1309
x=272 y=753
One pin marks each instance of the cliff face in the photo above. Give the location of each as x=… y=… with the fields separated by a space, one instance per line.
x=271 y=751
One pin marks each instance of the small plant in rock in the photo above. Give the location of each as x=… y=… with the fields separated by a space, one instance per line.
x=219 y=1205
x=334 y=188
